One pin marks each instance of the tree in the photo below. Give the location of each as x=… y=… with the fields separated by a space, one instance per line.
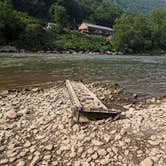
x=60 y=17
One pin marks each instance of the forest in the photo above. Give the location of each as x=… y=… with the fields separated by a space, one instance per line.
x=138 y=27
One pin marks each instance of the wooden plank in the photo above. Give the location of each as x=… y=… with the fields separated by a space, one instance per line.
x=96 y=100
x=77 y=107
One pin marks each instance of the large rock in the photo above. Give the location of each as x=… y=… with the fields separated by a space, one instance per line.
x=147 y=162
x=11 y=114
x=97 y=143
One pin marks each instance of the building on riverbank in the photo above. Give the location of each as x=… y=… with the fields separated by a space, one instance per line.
x=95 y=29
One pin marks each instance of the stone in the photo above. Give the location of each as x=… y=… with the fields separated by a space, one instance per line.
x=154 y=143
x=81 y=136
x=11 y=114
x=73 y=155
x=47 y=157
x=4 y=161
x=49 y=147
x=55 y=163
x=105 y=161
x=35 y=160
x=97 y=143
x=23 y=112
x=147 y=162
x=4 y=92
x=32 y=149
x=102 y=152
x=21 y=163
x=27 y=144
x=90 y=151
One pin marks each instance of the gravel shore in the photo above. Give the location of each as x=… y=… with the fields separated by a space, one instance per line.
x=35 y=129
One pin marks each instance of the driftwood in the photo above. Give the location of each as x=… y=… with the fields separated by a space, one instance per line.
x=85 y=102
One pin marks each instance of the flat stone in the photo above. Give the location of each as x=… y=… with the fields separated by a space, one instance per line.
x=102 y=152
x=105 y=161
x=55 y=163
x=73 y=155
x=3 y=161
x=97 y=143
x=23 y=112
x=81 y=136
x=11 y=114
x=27 y=144
x=154 y=143
x=4 y=92
x=47 y=157
x=35 y=160
x=21 y=163
x=147 y=162
x=49 y=147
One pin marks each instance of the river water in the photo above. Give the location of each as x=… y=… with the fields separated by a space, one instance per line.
x=137 y=74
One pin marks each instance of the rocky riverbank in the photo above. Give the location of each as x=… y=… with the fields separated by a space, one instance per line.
x=35 y=129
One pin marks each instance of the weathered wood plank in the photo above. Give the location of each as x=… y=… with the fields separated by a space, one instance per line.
x=96 y=100
x=85 y=101
x=77 y=107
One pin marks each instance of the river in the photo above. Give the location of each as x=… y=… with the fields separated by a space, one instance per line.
x=137 y=74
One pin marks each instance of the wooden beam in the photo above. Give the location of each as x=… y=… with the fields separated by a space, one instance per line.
x=77 y=107
x=96 y=100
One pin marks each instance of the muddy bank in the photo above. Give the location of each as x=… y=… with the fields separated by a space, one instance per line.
x=35 y=129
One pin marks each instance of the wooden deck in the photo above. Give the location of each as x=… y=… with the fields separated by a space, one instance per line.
x=83 y=101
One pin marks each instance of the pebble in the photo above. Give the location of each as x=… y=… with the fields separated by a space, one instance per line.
x=154 y=143
x=49 y=147
x=102 y=152
x=11 y=114
x=3 y=161
x=105 y=161
x=21 y=163
x=27 y=144
x=35 y=160
x=97 y=143
x=147 y=162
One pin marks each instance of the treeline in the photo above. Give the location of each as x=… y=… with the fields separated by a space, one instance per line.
x=102 y=12
x=140 y=5
x=140 y=32
x=23 y=24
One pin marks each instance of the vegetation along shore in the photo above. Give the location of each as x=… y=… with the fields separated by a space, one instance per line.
x=138 y=29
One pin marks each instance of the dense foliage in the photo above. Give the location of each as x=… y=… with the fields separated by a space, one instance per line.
x=140 y=5
x=23 y=24
x=140 y=32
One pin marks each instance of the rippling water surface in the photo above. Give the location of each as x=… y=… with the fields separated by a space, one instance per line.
x=139 y=74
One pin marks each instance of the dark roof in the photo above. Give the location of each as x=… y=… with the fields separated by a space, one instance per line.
x=98 y=27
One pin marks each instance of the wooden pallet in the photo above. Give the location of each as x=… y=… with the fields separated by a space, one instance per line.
x=83 y=101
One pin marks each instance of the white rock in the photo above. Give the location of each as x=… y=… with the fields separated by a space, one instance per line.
x=3 y=161
x=146 y=162
x=105 y=161
x=11 y=114
x=154 y=143
x=97 y=143
x=35 y=160
x=27 y=144
x=102 y=152
x=21 y=163
x=49 y=147
x=73 y=155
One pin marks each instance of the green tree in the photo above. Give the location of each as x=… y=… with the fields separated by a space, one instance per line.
x=60 y=17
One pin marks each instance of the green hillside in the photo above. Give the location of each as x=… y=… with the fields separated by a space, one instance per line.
x=140 y=5
x=23 y=24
